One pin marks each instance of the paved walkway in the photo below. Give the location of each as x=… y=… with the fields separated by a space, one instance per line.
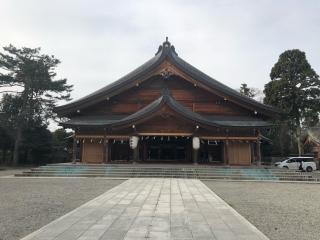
x=152 y=209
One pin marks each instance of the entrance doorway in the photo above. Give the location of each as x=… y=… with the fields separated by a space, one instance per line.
x=211 y=152
x=166 y=149
x=120 y=151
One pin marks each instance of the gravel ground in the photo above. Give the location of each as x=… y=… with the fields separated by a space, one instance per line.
x=26 y=204
x=282 y=211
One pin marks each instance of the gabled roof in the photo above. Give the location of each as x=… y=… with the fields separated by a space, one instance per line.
x=155 y=106
x=166 y=51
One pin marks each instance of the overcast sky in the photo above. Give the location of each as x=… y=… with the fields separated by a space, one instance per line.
x=99 y=41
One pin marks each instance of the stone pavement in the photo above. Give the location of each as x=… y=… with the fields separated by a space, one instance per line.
x=152 y=208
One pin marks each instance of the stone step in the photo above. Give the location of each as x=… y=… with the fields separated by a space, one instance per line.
x=200 y=166
x=138 y=165
x=121 y=171
x=163 y=174
x=177 y=176
x=165 y=169
x=168 y=171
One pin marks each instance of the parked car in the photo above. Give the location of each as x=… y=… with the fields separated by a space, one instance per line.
x=308 y=164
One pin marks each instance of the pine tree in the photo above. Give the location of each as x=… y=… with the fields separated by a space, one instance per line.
x=245 y=90
x=31 y=91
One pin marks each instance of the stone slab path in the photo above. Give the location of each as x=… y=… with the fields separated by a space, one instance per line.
x=152 y=208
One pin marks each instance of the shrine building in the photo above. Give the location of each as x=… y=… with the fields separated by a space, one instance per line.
x=167 y=111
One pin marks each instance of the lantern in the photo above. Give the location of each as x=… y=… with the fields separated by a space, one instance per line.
x=195 y=143
x=134 y=142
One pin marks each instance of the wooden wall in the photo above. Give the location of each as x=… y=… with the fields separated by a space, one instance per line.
x=239 y=153
x=92 y=152
x=195 y=98
x=128 y=101
x=166 y=122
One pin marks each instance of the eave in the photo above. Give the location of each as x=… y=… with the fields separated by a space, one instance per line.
x=166 y=100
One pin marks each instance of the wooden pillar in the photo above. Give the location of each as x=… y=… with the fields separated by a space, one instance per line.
x=105 y=147
x=226 y=150
x=83 y=150
x=136 y=154
x=74 y=149
x=196 y=144
x=109 y=155
x=145 y=151
x=105 y=150
x=258 y=152
x=252 y=151
x=189 y=151
x=135 y=151
x=195 y=155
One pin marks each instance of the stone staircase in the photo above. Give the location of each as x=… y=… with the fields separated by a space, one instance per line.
x=203 y=172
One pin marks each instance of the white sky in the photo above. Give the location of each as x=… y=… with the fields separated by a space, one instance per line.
x=99 y=41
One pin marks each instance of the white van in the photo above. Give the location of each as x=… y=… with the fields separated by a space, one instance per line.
x=307 y=163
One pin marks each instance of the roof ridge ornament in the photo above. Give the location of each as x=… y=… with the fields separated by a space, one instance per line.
x=166 y=73
x=167 y=47
x=159 y=50
x=174 y=50
x=166 y=43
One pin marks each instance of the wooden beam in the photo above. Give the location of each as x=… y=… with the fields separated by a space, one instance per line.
x=228 y=137
x=102 y=136
x=186 y=134
x=164 y=134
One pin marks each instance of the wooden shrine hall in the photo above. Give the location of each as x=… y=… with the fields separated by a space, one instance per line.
x=167 y=111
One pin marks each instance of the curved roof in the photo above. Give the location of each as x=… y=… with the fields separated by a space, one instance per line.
x=165 y=51
x=168 y=100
